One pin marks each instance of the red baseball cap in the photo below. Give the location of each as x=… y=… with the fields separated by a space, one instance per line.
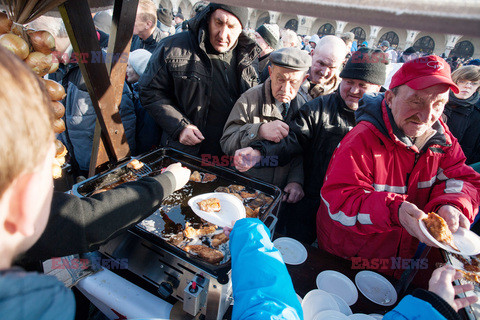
x=423 y=73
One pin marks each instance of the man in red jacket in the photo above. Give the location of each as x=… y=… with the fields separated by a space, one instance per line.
x=399 y=162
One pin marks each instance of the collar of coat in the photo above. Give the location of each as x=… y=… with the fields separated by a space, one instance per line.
x=373 y=109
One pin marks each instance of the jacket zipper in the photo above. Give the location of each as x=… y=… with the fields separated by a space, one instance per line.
x=417 y=155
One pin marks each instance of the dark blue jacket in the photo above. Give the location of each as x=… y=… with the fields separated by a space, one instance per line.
x=147 y=132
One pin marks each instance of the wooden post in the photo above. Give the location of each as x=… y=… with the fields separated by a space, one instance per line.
x=104 y=75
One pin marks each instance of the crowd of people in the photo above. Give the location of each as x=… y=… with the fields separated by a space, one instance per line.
x=360 y=154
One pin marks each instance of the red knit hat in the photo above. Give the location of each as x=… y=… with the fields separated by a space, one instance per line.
x=423 y=73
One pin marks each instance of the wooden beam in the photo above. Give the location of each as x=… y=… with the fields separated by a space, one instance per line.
x=104 y=77
x=441 y=16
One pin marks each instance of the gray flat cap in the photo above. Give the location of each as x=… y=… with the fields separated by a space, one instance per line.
x=291 y=58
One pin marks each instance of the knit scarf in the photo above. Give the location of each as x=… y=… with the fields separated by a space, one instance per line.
x=472 y=100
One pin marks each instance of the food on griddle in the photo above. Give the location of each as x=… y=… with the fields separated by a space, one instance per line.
x=470 y=276
x=256 y=203
x=239 y=197
x=265 y=198
x=438 y=228
x=235 y=188
x=135 y=164
x=251 y=213
x=176 y=239
x=222 y=189
x=196 y=177
x=208 y=177
x=211 y=255
x=471 y=264
x=202 y=177
x=191 y=232
x=247 y=195
x=218 y=239
x=210 y=205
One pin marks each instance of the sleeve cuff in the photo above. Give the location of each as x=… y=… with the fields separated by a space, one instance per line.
x=437 y=302
x=253 y=131
x=168 y=182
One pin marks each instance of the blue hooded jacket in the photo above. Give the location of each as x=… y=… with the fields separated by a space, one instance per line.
x=262 y=287
x=30 y=295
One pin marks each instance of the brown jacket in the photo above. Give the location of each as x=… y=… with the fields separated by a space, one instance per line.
x=255 y=107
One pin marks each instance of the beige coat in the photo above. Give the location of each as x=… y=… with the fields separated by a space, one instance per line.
x=255 y=107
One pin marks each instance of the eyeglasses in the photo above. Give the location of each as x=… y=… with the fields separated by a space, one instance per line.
x=468 y=83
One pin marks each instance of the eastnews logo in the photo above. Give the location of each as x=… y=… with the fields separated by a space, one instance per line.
x=392 y=263
x=94 y=262
x=226 y=161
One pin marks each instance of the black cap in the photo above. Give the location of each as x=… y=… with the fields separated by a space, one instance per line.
x=179 y=15
x=240 y=12
x=165 y=17
x=366 y=64
x=409 y=51
x=291 y=58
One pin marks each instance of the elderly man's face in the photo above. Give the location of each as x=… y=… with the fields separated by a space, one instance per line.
x=352 y=90
x=415 y=111
x=224 y=29
x=260 y=41
x=325 y=64
x=285 y=82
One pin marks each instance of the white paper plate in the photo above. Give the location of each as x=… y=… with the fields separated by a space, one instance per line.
x=342 y=305
x=330 y=315
x=337 y=283
x=376 y=288
x=467 y=241
x=360 y=316
x=232 y=209
x=316 y=301
x=293 y=252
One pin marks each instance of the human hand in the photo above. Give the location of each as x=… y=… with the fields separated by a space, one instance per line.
x=273 y=131
x=190 y=136
x=409 y=214
x=293 y=192
x=441 y=284
x=182 y=175
x=246 y=158
x=453 y=217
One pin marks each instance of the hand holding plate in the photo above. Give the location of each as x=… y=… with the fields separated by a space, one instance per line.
x=453 y=217
x=409 y=216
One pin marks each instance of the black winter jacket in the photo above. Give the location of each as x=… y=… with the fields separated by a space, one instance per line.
x=463 y=120
x=177 y=84
x=316 y=131
x=79 y=225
